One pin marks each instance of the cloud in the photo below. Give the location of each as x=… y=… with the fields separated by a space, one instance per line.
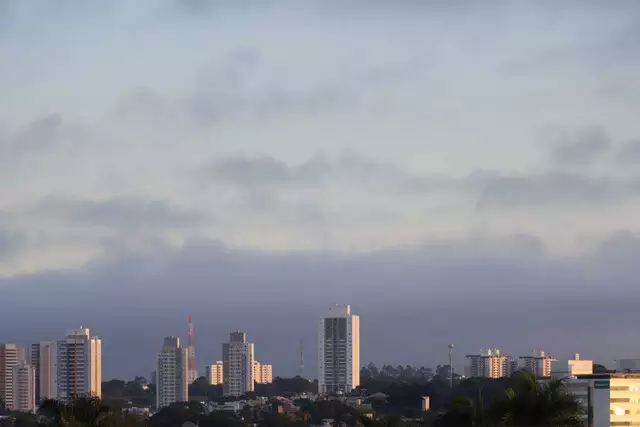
x=447 y=279
x=11 y=244
x=559 y=189
x=629 y=153
x=267 y=170
x=125 y=213
x=581 y=148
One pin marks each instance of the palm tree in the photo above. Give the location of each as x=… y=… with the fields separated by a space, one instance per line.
x=536 y=403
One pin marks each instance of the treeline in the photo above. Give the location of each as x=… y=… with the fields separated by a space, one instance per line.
x=408 y=371
x=120 y=394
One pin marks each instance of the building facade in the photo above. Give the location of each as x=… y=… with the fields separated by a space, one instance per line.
x=11 y=355
x=24 y=388
x=571 y=368
x=238 y=359
x=538 y=363
x=42 y=357
x=215 y=373
x=172 y=382
x=339 y=351
x=489 y=364
x=262 y=373
x=79 y=365
x=609 y=400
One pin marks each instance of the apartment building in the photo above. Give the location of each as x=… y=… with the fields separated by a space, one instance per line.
x=23 y=388
x=238 y=360
x=339 y=351
x=489 y=363
x=172 y=382
x=79 y=365
x=262 y=373
x=538 y=363
x=215 y=373
x=11 y=355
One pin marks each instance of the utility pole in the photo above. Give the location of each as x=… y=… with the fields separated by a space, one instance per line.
x=450 y=346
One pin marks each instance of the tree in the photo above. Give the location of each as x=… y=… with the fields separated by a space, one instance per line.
x=536 y=403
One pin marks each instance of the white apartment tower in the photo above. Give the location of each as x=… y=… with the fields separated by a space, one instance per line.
x=489 y=364
x=172 y=382
x=24 y=388
x=339 y=351
x=11 y=355
x=79 y=365
x=215 y=373
x=238 y=358
x=538 y=363
x=42 y=356
x=262 y=374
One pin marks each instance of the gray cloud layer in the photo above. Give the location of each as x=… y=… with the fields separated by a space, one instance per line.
x=271 y=157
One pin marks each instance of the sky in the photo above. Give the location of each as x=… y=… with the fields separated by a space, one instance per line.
x=458 y=171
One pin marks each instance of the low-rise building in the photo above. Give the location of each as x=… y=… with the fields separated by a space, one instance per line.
x=571 y=368
x=610 y=400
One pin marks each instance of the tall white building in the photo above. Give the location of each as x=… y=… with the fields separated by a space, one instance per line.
x=42 y=356
x=339 y=351
x=489 y=364
x=262 y=374
x=172 y=382
x=215 y=373
x=538 y=363
x=24 y=388
x=238 y=357
x=11 y=355
x=79 y=365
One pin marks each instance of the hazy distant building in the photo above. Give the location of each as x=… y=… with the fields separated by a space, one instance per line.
x=628 y=365
x=172 y=382
x=571 y=368
x=215 y=373
x=489 y=364
x=262 y=374
x=538 y=363
x=11 y=355
x=238 y=357
x=42 y=356
x=339 y=351
x=24 y=388
x=79 y=365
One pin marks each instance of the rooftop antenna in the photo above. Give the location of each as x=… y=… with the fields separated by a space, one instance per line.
x=191 y=361
x=450 y=347
x=301 y=359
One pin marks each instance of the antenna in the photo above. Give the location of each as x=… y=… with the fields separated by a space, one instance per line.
x=301 y=359
x=450 y=347
x=191 y=361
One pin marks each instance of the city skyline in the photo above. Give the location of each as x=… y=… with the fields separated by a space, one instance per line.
x=470 y=167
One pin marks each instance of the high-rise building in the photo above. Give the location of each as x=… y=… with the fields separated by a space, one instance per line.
x=538 y=363
x=262 y=374
x=339 y=351
x=238 y=358
x=42 y=357
x=215 y=373
x=172 y=382
x=11 y=355
x=489 y=364
x=79 y=365
x=24 y=388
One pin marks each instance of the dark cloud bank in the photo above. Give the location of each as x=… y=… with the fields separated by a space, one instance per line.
x=477 y=292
